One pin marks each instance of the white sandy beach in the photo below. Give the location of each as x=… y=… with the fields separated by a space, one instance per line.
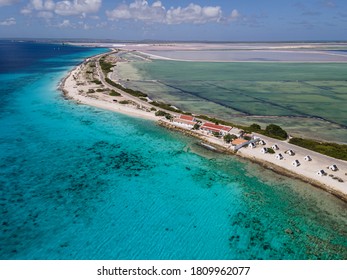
x=99 y=100
x=76 y=86
x=306 y=169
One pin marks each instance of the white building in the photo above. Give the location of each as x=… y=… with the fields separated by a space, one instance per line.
x=185 y=120
x=275 y=147
x=262 y=142
x=290 y=152
x=252 y=145
x=296 y=163
x=239 y=143
x=308 y=158
x=321 y=173
x=333 y=167
x=279 y=156
x=263 y=150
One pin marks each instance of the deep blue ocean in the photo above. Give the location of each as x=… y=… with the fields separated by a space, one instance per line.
x=80 y=183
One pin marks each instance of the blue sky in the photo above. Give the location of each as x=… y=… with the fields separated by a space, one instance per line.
x=228 y=20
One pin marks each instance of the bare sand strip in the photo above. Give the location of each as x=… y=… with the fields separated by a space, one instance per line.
x=76 y=87
x=307 y=170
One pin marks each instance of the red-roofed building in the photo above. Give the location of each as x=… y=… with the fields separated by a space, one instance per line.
x=185 y=120
x=211 y=127
x=239 y=143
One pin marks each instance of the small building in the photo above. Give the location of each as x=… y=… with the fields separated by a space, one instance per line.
x=264 y=150
x=290 y=152
x=252 y=145
x=308 y=158
x=225 y=129
x=236 y=131
x=296 y=163
x=185 y=120
x=333 y=167
x=216 y=128
x=239 y=143
x=262 y=142
x=279 y=156
x=275 y=147
x=321 y=173
x=247 y=136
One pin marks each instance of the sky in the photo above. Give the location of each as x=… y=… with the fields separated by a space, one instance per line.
x=186 y=20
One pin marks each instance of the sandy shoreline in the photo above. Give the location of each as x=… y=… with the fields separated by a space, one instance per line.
x=77 y=87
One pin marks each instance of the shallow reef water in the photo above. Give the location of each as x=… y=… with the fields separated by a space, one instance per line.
x=80 y=183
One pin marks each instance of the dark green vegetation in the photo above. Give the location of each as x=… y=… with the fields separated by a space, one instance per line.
x=96 y=81
x=196 y=126
x=162 y=113
x=255 y=127
x=124 y=102
x=216 y=121
x=135 y=93
x=105 y=66
x=272 y=130
x=330 y=149
x=216 y=134
x=165 y=107
x=270 y=151
x=229 y=137
x=276 y=132
x=114 y=93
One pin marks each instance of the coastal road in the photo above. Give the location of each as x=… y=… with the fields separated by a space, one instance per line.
x=125 y=94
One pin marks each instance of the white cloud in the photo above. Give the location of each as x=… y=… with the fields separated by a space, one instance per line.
x=64 y=24
x=25 y=11
x=7 y=2
x=141 y=10
x=329 y=3
x=37 y=4
x=193 y=14
x=63 y=8
x=8 y=22
x=46 y=15
x=235 y=15
x=76 y=7
x=101 y=24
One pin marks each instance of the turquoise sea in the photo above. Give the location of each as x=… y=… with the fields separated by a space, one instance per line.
x=80 y=183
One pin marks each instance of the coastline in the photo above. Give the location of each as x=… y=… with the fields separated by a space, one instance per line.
x=75 y=86
x=265 y=164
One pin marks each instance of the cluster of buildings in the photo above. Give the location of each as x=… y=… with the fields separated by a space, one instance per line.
x=189 y=122
x=240 y=139
x=289 y=152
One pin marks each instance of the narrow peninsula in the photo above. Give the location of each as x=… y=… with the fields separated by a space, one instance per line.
x=91 y=83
